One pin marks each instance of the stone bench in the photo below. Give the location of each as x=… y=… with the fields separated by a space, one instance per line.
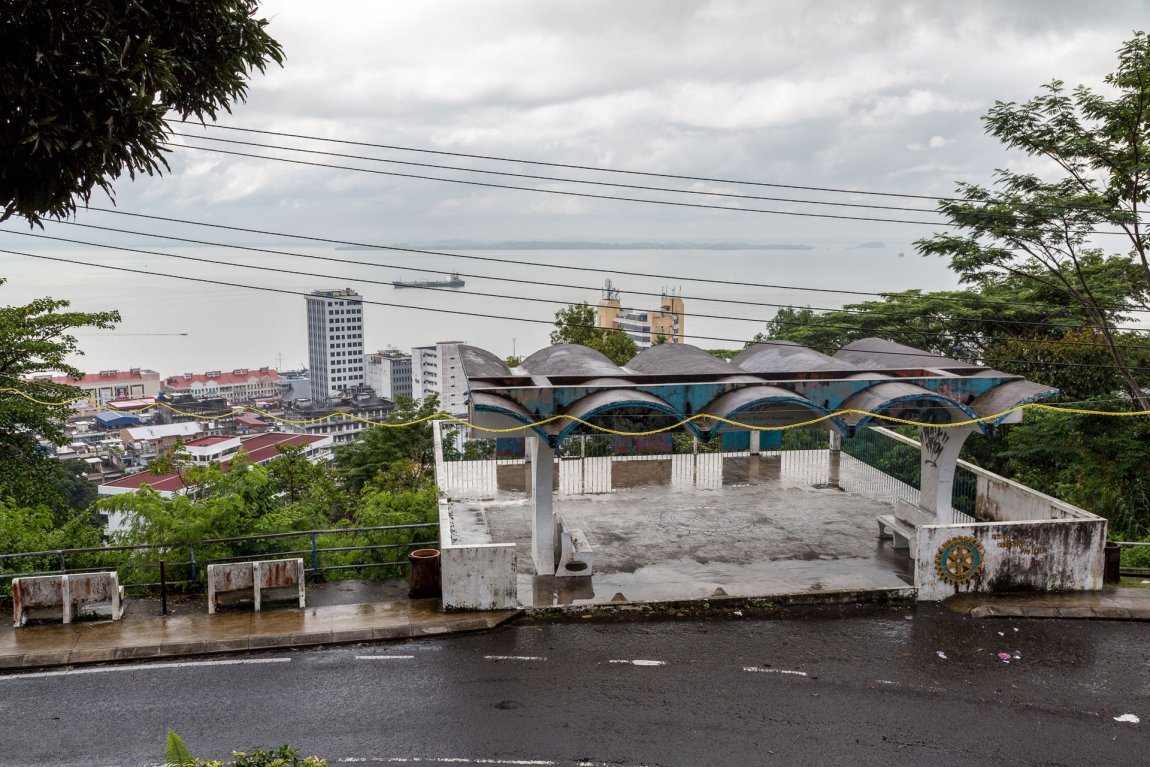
x=574 y=557
x=902 y=526
x=255 y=577
x=66 y=592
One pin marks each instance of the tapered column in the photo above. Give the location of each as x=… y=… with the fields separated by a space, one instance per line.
x=939 y=458
x=834 y=458
x=542 y=514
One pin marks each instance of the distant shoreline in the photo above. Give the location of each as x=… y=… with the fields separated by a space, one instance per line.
x=559 y=245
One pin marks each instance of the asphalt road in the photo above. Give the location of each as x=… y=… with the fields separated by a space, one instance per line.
x=869 y=688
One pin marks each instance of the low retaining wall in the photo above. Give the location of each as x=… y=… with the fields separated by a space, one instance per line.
x=1046 y=555
x=475 y=575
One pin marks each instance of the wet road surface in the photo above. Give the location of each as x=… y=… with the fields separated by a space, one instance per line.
x=833 y=686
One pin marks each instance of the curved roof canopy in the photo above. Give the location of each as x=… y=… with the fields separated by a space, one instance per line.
x=771 y=385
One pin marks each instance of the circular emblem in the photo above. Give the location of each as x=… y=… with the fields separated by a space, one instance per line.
x=959 y=559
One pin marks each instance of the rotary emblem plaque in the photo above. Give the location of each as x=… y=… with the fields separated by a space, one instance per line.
x=959 y=559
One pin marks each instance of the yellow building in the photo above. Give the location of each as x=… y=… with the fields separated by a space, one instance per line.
x=643 y=326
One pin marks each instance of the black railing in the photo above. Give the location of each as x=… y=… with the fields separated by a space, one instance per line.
x=384 y=546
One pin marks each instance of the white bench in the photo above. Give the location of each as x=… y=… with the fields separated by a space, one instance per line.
x=66 y=592
x=902 y=526
x=902 y=534
x=574 y=557
x=255 y=577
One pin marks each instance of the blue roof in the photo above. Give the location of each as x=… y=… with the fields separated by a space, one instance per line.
x=115 y=420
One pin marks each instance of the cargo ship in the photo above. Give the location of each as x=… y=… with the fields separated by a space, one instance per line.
x=454 y=282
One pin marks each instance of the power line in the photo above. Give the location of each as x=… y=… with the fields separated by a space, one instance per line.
x=559 y=192
x=536 y=283
x=573 y=267
x=535 y=177
x=617 y=185
x=595 y=169
x=542 y=283
x=461 y=312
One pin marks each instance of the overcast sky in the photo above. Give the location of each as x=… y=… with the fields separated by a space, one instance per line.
x=866 y=96
x=860 y=95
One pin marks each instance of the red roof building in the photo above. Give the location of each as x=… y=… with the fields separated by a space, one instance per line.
x=240 y=385
x=260 y=448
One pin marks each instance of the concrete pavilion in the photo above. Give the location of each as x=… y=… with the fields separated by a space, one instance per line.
x=782 y=384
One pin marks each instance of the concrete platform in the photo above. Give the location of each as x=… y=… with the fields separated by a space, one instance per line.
x=196 y=634
x=660 y=544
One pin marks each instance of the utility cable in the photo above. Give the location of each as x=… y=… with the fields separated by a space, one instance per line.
x=552 y=302
x=562 y=193
x=573 y=267
x=591 y=168
x=567 y=286
x=461 y=312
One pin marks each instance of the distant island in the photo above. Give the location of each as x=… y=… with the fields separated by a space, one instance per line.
x=581 y=245
x=868 y=246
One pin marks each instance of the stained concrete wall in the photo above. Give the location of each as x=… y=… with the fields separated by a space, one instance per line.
x=1047 y=555
x=474 y=575
x=1002 y=500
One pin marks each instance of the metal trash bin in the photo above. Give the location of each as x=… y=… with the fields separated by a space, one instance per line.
x=1112 y=566
x=423 y=574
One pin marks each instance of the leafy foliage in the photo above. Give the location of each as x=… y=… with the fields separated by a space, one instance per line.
x=380 y=450
x=88 y=84
x=1043 y=230
x=576 y=325
x=177 y=755
x=35 y=341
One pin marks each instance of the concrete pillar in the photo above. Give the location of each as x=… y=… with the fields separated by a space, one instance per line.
x=542 y=514
x=755 y=442
x=834 y=458
x=938 y=460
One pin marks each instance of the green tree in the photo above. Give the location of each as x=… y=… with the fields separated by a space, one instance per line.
x=88 y=84
x=576 y=325
x=35 y=342
x=1045 y=230
x=377 y=449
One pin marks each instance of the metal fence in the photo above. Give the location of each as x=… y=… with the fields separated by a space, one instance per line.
x=877 y=462
x=380 y=551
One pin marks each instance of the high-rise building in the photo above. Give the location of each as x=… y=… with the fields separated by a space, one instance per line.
x=389 y=373
x=438 y=370
x=645 y=327
x=334 y=342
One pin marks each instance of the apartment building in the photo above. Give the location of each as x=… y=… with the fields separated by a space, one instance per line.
x=438 y=369
x=240 y=385
x=334 y=342
x=388 y=373
x=643 y=326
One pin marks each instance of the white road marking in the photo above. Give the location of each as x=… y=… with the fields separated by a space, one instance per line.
x=143 y=667
x=384 y=657
x=1131 y=718
x=514 y=657
x=640 y=662
x=774 y=670
x=884 y=681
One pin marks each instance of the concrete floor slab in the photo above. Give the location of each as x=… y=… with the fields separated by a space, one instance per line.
x=657 y=544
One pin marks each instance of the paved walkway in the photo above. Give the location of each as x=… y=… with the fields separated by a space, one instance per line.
x=1114 y=603
x=176 y=636
x=183 y=635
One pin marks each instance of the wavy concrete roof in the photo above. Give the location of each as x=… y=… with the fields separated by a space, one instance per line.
x=774 y=384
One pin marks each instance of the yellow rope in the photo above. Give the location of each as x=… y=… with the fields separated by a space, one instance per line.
x=588 y=424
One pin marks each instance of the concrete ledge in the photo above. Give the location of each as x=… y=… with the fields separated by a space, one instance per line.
x=807 y=598
x=224 y=633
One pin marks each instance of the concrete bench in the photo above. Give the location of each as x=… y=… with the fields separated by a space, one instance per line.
x=255 y=577
x=903 y=535
x=573 y=556
x=66 y=592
